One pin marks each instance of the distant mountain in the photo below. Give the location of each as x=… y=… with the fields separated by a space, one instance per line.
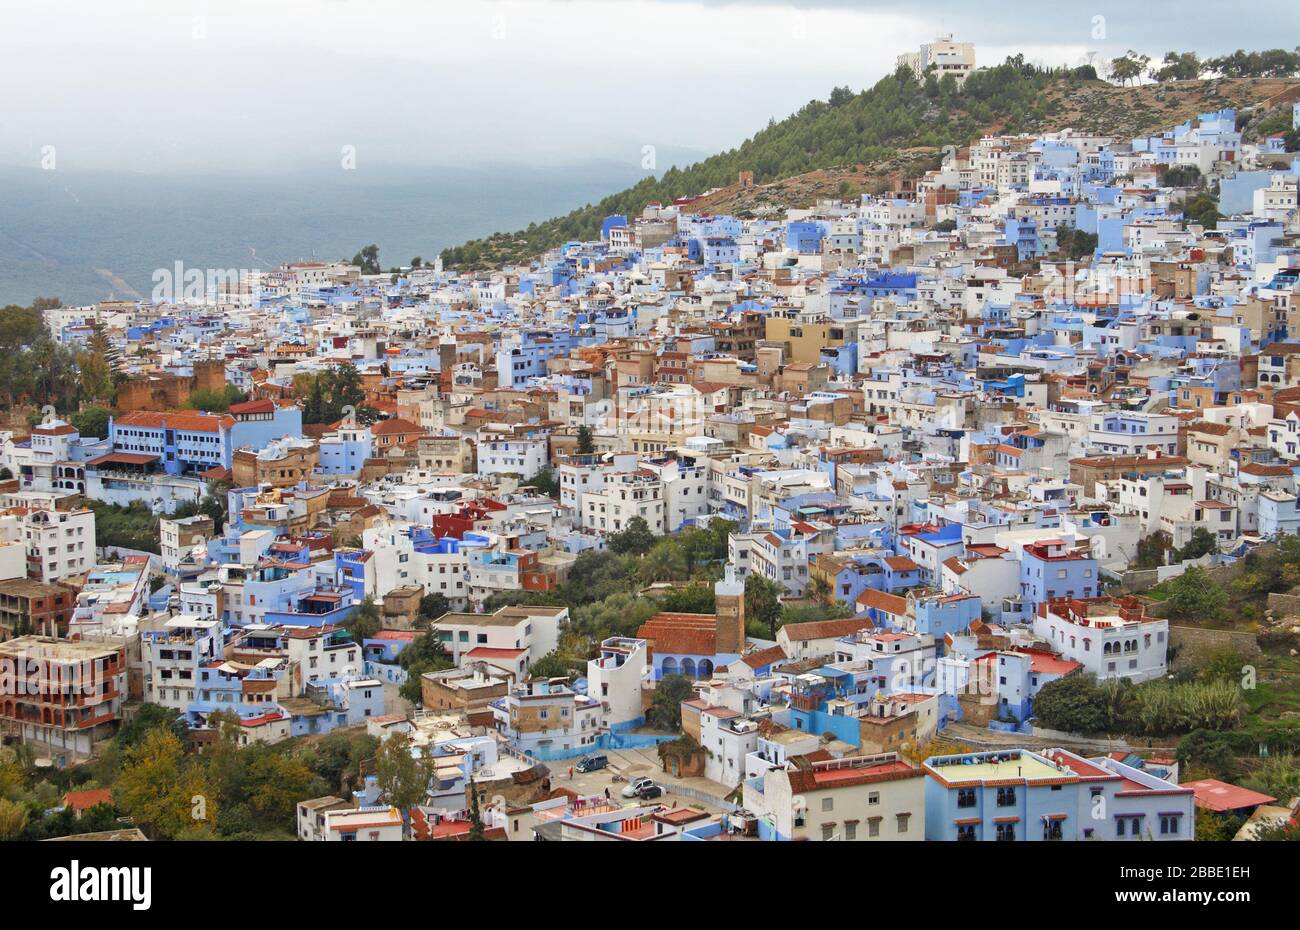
x=854 y=142
x=88 y=236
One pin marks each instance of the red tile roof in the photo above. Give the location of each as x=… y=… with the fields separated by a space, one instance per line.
x=681 y=634
x=187 y=420
x=1220 y=796
x=880 y=600
x=825 y=629
x=764 y=657
x=84 y=800
x=394 y=427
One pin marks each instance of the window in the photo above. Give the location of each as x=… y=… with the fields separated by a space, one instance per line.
x=1169 y=824
x=873 y=826
x=851 y=830
x=828 y=831
x=1006 y=832
x=903 y=820
x=828 y=804
x=965 y=797
x=1007 y=796
x=1052 y=830
x=966 y=832
x=873 y=797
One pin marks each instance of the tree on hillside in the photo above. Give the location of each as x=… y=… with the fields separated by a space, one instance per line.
x=840 y=96
x=1129 y=66
x=364 y=621
x=95 y=366
x=692 y=599
x=1074 y=704
x=595 y=575
x=820 y=590
x=665 y=711
x=13 y=819
x=551 y=665
x=1151 y=550
x=400 y=777
x=1202 y=542
x=476 y=832
x=166 y=794
x=33 y=367
x=664 y=562
x=432 y=606
x=586 y=441
x=367 y=259
x=1275 y=62
x=276 y=782
x=424 y=654
x=1181 y=176
x=545 y=483
x=1209 y=750
x=215 y=400
x=763 y=602
x=1193 y=595
x=328 y=393
x=619 y=614
x=1179 y=66
x=1202 y=209
x=635 y=538
x=92 y=421
x=1075 y=244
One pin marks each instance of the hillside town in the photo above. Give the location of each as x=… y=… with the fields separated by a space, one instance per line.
x=962 y=510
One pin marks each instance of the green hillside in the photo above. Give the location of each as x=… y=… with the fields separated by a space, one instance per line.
x=898 y=112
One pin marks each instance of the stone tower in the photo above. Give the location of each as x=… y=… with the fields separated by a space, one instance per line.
x=446 y=362
x=730 y=614
x=209 y=374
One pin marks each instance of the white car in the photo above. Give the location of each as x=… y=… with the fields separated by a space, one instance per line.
x=634 y=787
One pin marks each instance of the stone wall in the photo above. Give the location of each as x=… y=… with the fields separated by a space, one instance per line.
x=1284 y=605
x=1139 y=580
x=1192 y=643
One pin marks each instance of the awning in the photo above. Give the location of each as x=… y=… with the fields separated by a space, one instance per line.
x=123 y=458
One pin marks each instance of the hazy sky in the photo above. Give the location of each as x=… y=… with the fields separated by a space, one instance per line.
x=284 y=85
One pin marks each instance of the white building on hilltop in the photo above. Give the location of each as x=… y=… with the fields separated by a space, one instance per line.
x=943 y=55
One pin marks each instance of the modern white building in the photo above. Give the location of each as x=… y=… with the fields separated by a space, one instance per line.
x=60 y=543
x=943 y=56
x=617 y=678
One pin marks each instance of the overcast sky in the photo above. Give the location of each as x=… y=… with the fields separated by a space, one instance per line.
x=283 y=85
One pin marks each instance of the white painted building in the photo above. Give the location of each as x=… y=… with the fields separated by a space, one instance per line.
x=1109 y=638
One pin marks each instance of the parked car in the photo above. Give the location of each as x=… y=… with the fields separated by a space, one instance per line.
x=633 y=788
x=649 y=792
x=591 y=763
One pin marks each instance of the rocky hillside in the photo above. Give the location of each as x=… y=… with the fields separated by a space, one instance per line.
x=861 y=142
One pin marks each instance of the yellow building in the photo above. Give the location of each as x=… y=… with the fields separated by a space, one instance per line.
x=804 y=340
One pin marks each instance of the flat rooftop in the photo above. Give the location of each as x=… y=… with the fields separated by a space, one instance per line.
x=461 y=619
x=994 y=767
x=58 y=650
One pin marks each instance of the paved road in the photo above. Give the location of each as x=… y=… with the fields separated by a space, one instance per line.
x=635 y=763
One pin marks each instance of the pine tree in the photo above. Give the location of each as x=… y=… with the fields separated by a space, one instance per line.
x=475 y=817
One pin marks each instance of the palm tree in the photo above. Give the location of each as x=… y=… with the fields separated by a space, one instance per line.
x=820 y=590
x=664 y=562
